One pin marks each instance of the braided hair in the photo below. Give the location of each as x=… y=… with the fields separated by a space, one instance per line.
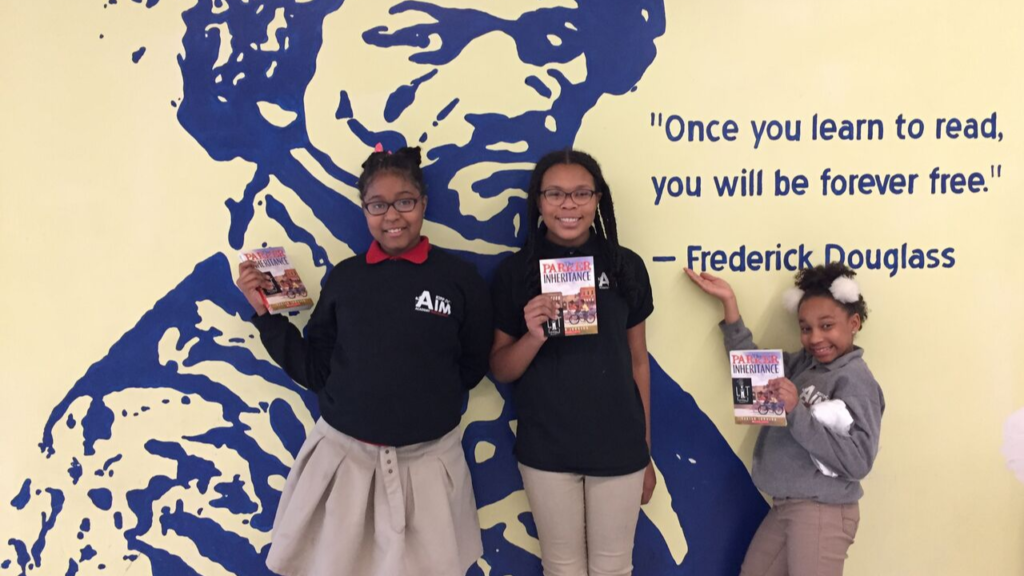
x=817 y=281
x=404 y=162
x=604 y=223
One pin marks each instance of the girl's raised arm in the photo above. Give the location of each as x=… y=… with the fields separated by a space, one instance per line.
x=720 y=289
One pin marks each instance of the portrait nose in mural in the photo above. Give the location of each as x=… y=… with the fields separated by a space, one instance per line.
x=485 y=95
x=481 y=93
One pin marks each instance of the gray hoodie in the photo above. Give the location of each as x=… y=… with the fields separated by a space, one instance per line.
x=782 y=456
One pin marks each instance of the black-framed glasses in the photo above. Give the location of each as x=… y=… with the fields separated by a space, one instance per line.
x=557 y=196
x=380 y=208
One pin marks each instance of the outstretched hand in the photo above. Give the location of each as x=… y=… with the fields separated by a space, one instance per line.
x=720 y=289
x=712 y=284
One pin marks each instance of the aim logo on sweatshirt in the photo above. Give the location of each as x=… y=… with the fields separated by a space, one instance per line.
x=809 y=396
x=438 y=305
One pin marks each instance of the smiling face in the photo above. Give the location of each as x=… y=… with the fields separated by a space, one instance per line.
x=826 y=329
x=395 y=231
x=568 y=222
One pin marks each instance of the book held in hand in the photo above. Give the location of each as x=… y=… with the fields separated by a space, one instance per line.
x=753 y=402
x=288 y=292
x=570 y=283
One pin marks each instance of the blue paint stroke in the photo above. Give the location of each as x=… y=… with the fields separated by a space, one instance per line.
x=106 y=465
x=49 y=521
x=24 y=495
x=503 y=557
x=287 y=427
x=344 y=106
x=137 y=55
x=242 y=211
x=110 y=461
x=87 y=553
x=71 y=422
x=717 y=504
x=189 y=468
x=215 y=543
x=21 y=554
x=262 y=465
x=279 y=213
x=233 y=497
x=101 y=498
x=75 y=471
x=163 y=563
x=528 y=523
x=499 y=181
x=538 y=85
x=447 y=109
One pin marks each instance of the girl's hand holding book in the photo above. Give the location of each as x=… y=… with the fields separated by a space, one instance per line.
x=250 y=282
x=785 y=391
x=536 y=313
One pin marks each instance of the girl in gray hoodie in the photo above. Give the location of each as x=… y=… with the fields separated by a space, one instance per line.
x=812 y=468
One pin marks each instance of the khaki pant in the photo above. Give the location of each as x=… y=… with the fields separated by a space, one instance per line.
x=802 y=538
x=586 y=524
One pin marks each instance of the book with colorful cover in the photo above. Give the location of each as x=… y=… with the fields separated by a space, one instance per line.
x=753 y=403
x=288 y=293
x=570 y=283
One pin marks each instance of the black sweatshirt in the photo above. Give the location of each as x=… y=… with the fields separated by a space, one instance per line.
x=391 y=348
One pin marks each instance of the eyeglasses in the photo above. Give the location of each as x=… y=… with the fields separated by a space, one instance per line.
x=557 y=196
x=380 y=208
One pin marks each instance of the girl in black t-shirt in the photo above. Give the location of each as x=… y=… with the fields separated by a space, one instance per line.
x=583 y=402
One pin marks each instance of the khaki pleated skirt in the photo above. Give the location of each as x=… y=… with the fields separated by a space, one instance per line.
x=355 y=509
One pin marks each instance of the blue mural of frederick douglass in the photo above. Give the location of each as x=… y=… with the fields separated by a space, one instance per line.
x=484 y=95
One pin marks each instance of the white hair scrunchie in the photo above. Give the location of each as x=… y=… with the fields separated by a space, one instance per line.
x=844 y=289
x=791 y=299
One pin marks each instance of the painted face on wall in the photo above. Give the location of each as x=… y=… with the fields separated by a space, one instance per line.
x=484 y=94
x=436 y=68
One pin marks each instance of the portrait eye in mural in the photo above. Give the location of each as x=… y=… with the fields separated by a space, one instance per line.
x=200 y=427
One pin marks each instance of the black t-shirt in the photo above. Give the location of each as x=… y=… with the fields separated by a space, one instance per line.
x=391 y=348
x=579 y=407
